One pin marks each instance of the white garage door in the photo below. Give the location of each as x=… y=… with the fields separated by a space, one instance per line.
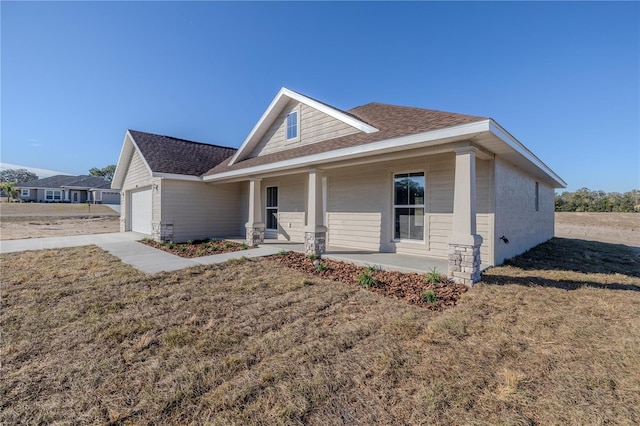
x=141 y=211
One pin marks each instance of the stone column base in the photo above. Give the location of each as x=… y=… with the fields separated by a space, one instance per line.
x=162 y=231
x=255 y=235
x=314 y=243
x=464 y=263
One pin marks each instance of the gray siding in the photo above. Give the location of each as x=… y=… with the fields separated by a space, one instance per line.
x=315 y=126
x=516 y=217
x=198 y=210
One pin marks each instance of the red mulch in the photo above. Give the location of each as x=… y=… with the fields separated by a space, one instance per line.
x=407 y=287
x=197 y=248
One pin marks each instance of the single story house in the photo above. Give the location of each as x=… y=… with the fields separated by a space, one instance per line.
x=376 y=177
x=69 y=189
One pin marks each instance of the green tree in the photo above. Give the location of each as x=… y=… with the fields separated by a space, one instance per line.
x=17 y=176
x=106 y=173
x=9 y=188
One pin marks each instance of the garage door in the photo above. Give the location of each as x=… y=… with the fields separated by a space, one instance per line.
x=141 y=211
x=110 y=197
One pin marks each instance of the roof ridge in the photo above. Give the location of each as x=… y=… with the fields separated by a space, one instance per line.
x=414 y=108
x=183 y=140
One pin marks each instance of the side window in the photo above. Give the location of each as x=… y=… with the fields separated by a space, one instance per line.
x=408 y=206
x=293 y=122
x=272 y=208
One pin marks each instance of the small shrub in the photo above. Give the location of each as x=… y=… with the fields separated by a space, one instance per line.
x=321 y=267
x=147 y=240
x=215 y=247
x=244 y=246
x=182 y=249
x=429 y=296
x=189 y=242
x=366 y=280
x=433 y=276
x=228 y=244
x=213 y=240
x=170 y=245
x=313 y=256
x=201 y=253
x=282 y=252
x=373 y=268
x=204 y=245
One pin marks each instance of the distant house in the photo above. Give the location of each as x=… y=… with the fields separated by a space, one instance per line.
x=69 y=189
x=377 y=177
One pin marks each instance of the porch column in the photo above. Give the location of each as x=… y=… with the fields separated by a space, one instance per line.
x=66 y=194
x=464 y=244
x=254 y=227
x=315 y=233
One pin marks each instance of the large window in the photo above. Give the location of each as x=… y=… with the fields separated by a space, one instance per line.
x=272 y=207
x=408 y=206
x=52 y=195
x=292 y=125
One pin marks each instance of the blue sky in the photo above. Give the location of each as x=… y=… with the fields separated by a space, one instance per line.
x=563 y=78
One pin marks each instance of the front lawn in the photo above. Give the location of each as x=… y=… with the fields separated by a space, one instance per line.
x=88 y=339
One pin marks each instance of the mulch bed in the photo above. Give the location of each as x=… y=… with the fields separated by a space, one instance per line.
x=408 y=287
x=197 y=248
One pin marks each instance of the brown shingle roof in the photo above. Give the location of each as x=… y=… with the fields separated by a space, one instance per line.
x=392 y=121
x=165 y=154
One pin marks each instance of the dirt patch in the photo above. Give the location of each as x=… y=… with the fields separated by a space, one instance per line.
x=615 y=228
x=409 y=287
x=54 y=208
x=197 y=248
x=38 y=227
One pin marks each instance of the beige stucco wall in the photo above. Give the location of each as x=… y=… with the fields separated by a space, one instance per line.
x=516 y=217
x=315 y=126
x=198 y=210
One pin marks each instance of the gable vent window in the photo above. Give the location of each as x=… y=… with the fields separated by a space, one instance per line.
x=293 y=122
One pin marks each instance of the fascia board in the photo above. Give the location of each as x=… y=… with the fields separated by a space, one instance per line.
x=277 y=104
x=177 y=177
x=388 y=145
x=516 y=145
x=125 y=154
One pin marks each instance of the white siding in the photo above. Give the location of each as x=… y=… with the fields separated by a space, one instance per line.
x=137 y=173
x=315 y=126
x=516 y=217
x=198 y=210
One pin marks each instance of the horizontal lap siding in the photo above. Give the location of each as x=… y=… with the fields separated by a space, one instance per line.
x=315 y=126
x=137 y=174
x=356 y=201
x=291 y=206
x=198 y=210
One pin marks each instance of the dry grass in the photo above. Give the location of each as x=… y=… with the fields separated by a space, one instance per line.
x=87 y=339
x=61 y=209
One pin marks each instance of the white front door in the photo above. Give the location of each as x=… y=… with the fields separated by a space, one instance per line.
x=141 y=211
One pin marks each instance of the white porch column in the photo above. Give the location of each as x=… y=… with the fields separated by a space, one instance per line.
x=315 y=233
x=66 y=194
x=464 y=244
x=254 y=227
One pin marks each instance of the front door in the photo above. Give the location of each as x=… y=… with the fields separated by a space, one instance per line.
x=75 y=197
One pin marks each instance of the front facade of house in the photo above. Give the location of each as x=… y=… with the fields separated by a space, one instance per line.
x=69 y=189
x=376 y=178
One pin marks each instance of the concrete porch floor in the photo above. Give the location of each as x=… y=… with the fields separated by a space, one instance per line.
x=388 y=261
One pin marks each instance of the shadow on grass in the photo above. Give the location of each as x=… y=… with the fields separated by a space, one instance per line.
x=563 y=255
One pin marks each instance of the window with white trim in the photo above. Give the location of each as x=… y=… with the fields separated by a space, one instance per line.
x=272 y=208
x=408 y=206
x=24 y=192
x=52 y=195
x=293 y=122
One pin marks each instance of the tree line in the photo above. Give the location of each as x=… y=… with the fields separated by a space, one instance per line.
x=586 y=200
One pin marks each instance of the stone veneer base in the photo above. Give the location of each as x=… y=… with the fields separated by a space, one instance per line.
x=464 y=264
x=314 y=243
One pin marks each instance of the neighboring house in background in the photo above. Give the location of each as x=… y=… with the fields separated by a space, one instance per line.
x=377 y=177
x=69 y=189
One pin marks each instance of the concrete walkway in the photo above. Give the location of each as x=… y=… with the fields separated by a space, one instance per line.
x=125 y=246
